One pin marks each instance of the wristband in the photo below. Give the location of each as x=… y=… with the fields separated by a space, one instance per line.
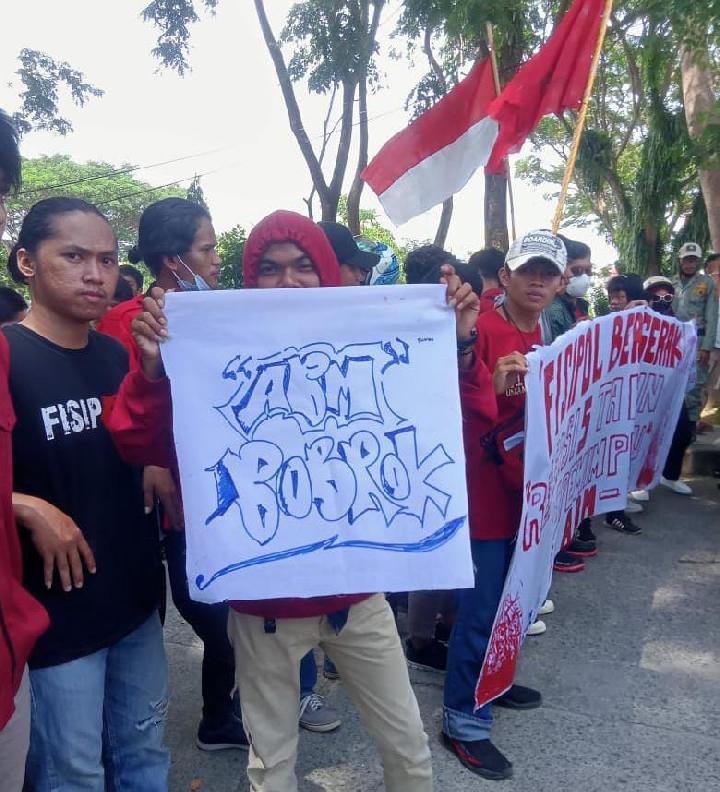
x=466 y=346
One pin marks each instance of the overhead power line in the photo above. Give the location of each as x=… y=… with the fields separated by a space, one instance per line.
x=114 y=172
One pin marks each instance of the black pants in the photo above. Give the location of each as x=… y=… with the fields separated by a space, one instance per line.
x=682 y=437
x=210 y=625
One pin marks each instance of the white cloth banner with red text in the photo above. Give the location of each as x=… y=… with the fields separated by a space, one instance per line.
x=602 y=404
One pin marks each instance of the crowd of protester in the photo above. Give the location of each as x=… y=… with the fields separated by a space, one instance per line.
x=91 y=513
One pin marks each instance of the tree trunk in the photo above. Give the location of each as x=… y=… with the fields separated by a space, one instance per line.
x=353 y=201
x=444 y=224
x=700 y=107
x=496 y=230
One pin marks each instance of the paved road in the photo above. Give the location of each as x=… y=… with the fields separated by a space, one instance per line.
x=629 y=669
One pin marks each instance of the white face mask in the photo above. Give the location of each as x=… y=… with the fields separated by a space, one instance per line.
x=578 y=285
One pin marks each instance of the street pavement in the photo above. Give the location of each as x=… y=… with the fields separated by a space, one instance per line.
x=629 y=670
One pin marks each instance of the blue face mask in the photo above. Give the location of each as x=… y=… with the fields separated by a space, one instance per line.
x=197 y=284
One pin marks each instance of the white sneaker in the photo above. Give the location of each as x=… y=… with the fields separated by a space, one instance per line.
x=633 y=508
x=547 y=607
x=676 y=486
x=640 y=495
x=537 y=628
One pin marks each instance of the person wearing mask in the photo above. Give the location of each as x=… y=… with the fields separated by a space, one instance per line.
x=356 y=265
x=287 y=250
x=91 y=557
x=488 y=263
x=530 y=277
x=13 y=307
x=696 y=300
x=22 y=618
x=660 y=294
x=133 y=277
x=570 y=306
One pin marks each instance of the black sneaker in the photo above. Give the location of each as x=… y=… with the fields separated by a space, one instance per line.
x=564 y=562
x=222 y=737
x=622 y=523
x=432 y=657
x=442 y=632
x=481 y=757
x=520 y=698
x=585 y=531
x=582 y=548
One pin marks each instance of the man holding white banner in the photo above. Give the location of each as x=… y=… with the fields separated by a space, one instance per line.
x=600 y=404
x=270 y=636
x=494 y=452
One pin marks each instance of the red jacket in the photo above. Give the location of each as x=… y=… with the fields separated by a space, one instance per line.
x=117 y=323
x=22 y=619
x=495 y=509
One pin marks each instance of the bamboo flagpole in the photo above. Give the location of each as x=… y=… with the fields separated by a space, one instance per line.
x=582 y=115
x=496 y=78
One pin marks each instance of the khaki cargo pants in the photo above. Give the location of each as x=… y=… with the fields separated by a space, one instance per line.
x=369 y=657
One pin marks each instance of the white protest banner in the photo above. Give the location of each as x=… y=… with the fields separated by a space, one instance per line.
x=319 y=438
x=602 y=404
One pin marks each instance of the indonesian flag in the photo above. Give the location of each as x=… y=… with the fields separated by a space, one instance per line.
x=470 y=127
x=438 y=153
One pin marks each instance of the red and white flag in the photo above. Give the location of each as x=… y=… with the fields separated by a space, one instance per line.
x=470 y=127
x=438 y=153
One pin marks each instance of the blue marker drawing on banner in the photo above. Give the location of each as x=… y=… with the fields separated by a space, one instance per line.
x=348 y=453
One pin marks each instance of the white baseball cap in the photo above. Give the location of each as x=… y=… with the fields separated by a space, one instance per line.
x=690 y=249
x=658 y=280
x=537 y=244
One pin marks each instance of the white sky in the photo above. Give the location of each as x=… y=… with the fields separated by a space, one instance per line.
x=229 y=104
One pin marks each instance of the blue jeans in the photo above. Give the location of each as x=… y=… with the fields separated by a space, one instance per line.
x=98 y=722
x=476 y=608
x=308 y=674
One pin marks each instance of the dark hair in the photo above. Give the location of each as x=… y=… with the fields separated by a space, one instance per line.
x=122 y=291
x=711 y=257
x=132 y=272
x=11 y=303
x=575 y=250
x=631 y=284
x=487 y=262
x=10 y=162
x=422 y=265
x=167 y=228
x=38 y=226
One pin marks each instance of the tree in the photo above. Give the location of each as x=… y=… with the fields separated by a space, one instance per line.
x=117 y=192
x=230 y=248
x=452 y=36
x=42 y=77
x=333 y=46
x=195 y=193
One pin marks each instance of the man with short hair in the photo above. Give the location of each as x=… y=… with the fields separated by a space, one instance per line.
x=12 y=306
x=488 y=263
x=570 y=306
x=531 y=276
x=696 y=301
x=356 y=265
x=22 y=619
x=133 y=277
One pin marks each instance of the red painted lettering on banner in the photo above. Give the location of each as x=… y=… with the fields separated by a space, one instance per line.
x=616 y=342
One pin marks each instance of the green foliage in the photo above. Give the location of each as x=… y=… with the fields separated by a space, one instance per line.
x=119 y=194
x=173 y=18
x=42 y=77
x=330 y=42
x=195 y=193
x=231 y=245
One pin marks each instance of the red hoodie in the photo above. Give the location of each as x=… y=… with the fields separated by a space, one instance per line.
x=22 y=619
x=140 y=418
